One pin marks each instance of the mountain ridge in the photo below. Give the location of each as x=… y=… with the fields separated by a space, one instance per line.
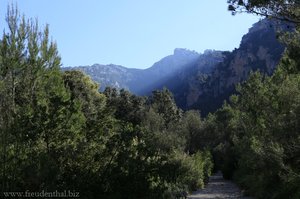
x=199 y=80
x=128 y=78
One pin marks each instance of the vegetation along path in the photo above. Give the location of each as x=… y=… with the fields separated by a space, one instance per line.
x=217 y=187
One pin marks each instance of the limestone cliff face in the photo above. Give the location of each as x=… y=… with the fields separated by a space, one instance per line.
x=259 y=50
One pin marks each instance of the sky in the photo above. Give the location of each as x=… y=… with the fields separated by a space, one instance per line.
x=133 y=33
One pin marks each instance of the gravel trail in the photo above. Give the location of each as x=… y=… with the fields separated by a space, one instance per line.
x=217 y=187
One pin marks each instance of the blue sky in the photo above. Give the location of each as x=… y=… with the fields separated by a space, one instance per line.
x=134 y=33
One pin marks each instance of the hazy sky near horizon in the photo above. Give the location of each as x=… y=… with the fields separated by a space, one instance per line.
x=133 y=33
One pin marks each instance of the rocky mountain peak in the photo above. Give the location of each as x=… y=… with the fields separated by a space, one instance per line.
x=184 y=52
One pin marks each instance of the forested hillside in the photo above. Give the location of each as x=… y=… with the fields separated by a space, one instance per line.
x=59 y=133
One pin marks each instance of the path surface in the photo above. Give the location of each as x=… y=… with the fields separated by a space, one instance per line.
x=219 y=188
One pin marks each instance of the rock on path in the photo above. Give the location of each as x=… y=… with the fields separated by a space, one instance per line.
x=217 y=187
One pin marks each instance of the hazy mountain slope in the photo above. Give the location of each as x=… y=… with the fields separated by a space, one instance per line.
x=138 y=80
x=163 y=69
x=176 y=78
x=198 y=71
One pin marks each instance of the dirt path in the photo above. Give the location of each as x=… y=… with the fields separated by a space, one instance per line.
x=217 y=187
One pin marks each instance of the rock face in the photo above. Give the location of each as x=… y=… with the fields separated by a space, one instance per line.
x=198 y=81
x=259 y=50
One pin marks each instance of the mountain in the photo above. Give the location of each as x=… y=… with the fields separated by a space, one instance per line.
x=259 y=50
x=109 y=75
x=170 y=72
x=138 y=80
x=199 y=81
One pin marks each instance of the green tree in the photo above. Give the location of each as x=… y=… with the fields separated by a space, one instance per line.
x=265 y=127
x=59 y=132
x=267 y=109
x=164 y=104
x=192 y=125
x=279 y=9
x=38 y=128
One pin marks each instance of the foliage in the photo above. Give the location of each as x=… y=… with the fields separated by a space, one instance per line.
x=260 y=149
x=58 y=132
x=257 y=135
x=39 y=125
x=279 y=9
